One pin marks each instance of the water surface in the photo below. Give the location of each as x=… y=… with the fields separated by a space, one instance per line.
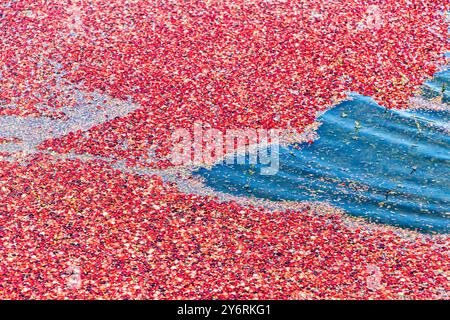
x=391 y=167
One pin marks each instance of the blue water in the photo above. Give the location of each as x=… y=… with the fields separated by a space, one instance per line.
x=391 y=167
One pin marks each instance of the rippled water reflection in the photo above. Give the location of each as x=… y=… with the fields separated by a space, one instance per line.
x=390 y=166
